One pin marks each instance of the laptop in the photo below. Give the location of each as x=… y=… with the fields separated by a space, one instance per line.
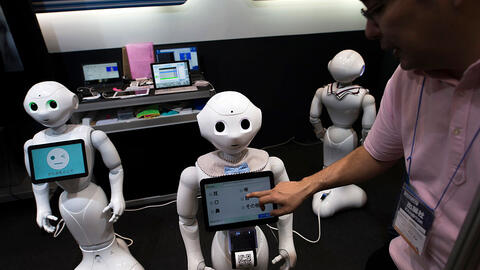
x=187 y=53
x=102 y=76
x=172 y=77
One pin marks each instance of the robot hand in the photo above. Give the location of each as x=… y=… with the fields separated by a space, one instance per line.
x=43 y=220
x=202 y=266
x=364 y=135
x=319 y=132
x=117 y=204
x=289 y=262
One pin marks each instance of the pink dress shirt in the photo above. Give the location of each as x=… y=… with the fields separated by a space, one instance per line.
x=448 y=119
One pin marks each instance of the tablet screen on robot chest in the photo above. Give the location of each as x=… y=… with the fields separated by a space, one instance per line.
x=225 y=205
x=57 y=161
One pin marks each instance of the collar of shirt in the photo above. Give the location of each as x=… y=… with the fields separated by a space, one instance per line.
x=469 y=79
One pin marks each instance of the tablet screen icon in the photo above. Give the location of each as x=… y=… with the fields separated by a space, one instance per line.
x=58 y=158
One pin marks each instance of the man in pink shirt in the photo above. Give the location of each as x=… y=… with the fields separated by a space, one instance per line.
x=428 y=115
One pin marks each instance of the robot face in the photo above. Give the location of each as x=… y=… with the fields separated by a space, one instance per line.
x=229 y=121
x=50 y=103
x=346 y=66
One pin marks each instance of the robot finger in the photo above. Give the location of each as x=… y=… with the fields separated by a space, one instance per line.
x=47 y=227
x=277 y=259
x=52 y=217
x=108 y=207
x=114 y=218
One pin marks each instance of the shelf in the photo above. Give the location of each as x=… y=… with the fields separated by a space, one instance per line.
x=135 y=124
x=144 y=100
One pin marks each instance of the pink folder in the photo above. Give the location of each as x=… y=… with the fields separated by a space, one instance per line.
x=140 y=56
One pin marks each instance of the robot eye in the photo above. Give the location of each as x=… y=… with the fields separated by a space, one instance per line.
x=245 y=124
x=219 y=127
x=52 y=104
x=33 y=106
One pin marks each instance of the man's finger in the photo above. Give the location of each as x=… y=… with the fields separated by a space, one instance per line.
x=259 y=193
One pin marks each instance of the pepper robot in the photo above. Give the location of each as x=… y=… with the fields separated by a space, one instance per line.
x=230 y=121
x=344 y=102
x=83 y=205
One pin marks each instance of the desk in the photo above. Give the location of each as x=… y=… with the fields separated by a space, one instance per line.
x=92 y=109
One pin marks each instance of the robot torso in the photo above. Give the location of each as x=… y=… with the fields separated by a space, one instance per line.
x=73 y=132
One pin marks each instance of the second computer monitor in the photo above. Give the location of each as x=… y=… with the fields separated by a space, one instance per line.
x=178 y=54
x=174 y=74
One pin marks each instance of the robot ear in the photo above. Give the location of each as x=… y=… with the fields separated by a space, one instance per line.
x=75 y=102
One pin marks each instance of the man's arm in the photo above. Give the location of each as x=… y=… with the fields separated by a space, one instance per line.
x=356 y=167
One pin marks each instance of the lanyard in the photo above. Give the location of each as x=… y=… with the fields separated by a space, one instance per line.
x=409 y=159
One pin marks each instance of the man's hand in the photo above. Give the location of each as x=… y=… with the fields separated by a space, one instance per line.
x=289 y=195
x=117 y=204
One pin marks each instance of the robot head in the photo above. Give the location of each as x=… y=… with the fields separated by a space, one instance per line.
x=346 y=66
x=50 y=103
x=229 y=121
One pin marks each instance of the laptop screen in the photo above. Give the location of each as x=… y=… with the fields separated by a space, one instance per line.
x=174 y=74
x=57 y=161
x=178 y=54
x=101 y=72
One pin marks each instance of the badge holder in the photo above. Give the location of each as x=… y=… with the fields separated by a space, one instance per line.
x=243 y=244
x=413 y=219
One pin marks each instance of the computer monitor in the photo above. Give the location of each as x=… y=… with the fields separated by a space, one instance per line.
x=226 y=206
x=101 y=72
x=173 y=74
x=178 y=54
x=57 y=161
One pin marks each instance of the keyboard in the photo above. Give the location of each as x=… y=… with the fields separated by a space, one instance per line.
x=176 y=90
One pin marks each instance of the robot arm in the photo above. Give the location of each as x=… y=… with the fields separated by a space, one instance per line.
x=286 y=246
x=187 y=209
x=112 y=160
x=315 y=113
x=369 y=114
x=42 y=198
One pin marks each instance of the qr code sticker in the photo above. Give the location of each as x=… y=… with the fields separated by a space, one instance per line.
x=244 y=259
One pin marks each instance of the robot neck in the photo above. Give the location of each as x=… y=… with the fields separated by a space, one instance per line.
x=59 y=130
x=343 y=84
x=233 y=158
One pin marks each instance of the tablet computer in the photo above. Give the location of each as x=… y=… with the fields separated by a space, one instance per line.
x=57 y=161
x=225 y=205
x=172 y=74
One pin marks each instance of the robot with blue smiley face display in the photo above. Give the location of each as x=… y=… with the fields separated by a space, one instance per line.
x=230 y=121
x=344 y=102
x=83 y=205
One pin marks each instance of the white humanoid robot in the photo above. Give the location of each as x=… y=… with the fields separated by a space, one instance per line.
x=83 y=205
x=344 y=103
x=230 y=121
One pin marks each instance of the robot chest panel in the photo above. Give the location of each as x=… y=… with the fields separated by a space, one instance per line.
x=347 y=103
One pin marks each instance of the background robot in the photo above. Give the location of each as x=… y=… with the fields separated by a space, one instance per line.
x=83 y=205
x=344 y=103
x=229 y=121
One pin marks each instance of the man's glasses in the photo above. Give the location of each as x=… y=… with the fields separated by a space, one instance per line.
x=373 y=12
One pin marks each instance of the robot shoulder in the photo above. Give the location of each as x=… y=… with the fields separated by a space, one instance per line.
x=368 y=100
x=190 y=177
x=276 y=165
x=98 y=137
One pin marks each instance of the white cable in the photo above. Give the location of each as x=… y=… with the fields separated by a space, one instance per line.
x=125 y=238
x=150 y=206
x=280 y=144
x=303 y=237
x=57 y=230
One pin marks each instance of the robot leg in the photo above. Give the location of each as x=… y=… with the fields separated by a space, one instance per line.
x=338 y=143
x=221 y=258
x=82 y=213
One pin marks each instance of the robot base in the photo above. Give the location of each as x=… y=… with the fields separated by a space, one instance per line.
x=221 y=258
x=116 y=256
x=328 y=202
